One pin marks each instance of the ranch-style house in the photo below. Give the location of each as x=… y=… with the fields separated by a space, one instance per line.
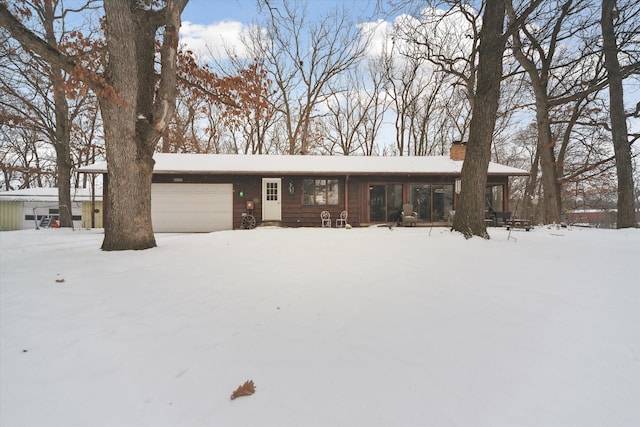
x=211 y=192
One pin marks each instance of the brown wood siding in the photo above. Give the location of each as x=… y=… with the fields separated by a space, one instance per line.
x=246 y=189
x=294 y=213
x=356 y=206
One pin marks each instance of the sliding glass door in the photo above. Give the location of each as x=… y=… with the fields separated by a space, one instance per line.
x=432 y=202
x=385 y=202
x=421 y=200
x=442 y=202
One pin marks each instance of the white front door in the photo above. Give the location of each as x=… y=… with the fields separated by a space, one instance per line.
x=271 y=199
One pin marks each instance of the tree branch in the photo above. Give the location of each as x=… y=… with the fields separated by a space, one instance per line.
x=584 y=169
x=39 y=47
x=31 y=42
x=625 y=71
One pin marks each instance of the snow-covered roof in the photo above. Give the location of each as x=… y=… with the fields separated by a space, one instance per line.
x=50 y=194
x=330 y=165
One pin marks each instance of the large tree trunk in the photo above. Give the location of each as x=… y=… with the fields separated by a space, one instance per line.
x=63 y=161
x=619 y=131
x=546 y=147
x=128 y=210
x=128 y=207
x=136 y=106
x=135 y=123
x=528 y=204
x=469 y=218
x=62 y=134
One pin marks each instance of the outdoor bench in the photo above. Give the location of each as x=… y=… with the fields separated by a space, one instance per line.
x=519 y=223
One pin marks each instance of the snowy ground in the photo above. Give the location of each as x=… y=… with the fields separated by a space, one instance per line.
x=362 y=327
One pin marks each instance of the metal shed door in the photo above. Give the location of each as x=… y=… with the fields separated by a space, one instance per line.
x=189 y=208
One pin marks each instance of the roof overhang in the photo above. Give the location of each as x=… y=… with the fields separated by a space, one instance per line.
x=47 y=194
x=238 y=164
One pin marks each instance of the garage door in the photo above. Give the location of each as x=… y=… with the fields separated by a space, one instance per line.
x=188 y=208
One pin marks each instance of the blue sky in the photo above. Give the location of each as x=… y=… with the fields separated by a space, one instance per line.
x=205 y=23
x=212 y=11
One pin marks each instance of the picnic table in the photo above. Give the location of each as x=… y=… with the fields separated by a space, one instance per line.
x=496 y=218
x=518 y=223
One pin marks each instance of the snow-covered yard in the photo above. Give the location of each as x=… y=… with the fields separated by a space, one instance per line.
x=361 y=327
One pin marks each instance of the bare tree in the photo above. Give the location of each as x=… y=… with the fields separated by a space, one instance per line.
x=469 y=219
x=234 y=103
x=45 y=88
x=622 y=149
x=25 y=160
x=560 y=53
x=584 y=156
x=403 y=78
x=302 y=59
x=356 y=111
x=136 y=106
x=549 y=78
x=87 y=139
x=439 y=52
x=445 y=39
x=450 y=37
x=62 y=138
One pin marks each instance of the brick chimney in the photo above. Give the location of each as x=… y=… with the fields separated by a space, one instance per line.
x=458 y=150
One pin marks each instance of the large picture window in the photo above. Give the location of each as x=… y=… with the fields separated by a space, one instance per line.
x=320 y=192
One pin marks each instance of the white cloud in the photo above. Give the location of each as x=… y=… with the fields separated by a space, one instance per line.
x=214 y=40
x=379 y=34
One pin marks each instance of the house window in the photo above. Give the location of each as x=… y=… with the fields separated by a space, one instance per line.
x=320 y=192
x=441 y=202
x=494 y=197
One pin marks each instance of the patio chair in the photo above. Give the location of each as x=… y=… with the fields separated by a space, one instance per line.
x=325 y=216
x=342 y=221
x=490 y=218
x=409 y=217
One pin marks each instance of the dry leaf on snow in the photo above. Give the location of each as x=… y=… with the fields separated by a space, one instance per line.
x=246 y=389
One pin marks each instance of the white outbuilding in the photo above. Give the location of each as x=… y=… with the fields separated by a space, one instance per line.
x=31 y=208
